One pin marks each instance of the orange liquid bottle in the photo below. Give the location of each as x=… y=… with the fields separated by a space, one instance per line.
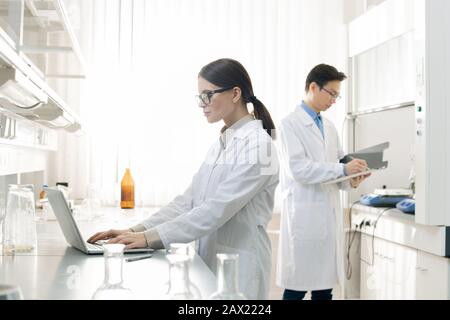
x=127 y=191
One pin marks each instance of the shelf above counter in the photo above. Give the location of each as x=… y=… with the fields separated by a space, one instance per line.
x=18 y=131
x=43 y=31
x=23 y=86
x=28 y=96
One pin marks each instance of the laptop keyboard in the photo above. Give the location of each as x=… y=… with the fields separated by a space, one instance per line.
x=97 y=247
x=93 y=246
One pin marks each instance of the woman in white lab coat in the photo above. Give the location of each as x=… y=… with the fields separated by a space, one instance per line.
x=229 y=203
x=310 y=256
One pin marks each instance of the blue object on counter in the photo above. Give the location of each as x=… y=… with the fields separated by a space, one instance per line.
x=375 y=200
x=407 y=206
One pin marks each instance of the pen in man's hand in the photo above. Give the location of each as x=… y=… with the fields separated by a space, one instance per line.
x=138 y=258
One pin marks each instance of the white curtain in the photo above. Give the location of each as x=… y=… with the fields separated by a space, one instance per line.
x=143 y=58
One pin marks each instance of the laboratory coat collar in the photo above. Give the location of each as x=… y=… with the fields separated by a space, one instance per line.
x=240 y=129
x=307 y=121
x=313 y=114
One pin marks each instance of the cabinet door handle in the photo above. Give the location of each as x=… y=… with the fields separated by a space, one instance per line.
x=421 y=269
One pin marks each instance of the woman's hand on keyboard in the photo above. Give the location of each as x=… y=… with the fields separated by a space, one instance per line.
x=132 y=240
x=106 y=235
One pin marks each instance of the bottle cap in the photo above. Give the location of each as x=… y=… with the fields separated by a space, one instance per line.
x=64 y=184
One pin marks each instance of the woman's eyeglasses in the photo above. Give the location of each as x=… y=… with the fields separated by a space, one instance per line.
x=204 y=99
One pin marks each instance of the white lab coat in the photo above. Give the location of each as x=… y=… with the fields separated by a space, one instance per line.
x=310 y=255
x=228 y=206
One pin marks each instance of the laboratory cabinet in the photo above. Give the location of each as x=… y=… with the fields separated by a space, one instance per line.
x=432 y=277
x=387 y=270
x=390 y=271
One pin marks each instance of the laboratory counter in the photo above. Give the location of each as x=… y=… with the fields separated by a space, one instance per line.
x=393 y=225
x=397 y=258
x=54 y=270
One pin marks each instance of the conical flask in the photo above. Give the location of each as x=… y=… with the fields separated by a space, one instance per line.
x=227 y=278
x=112 y=287
x=186 y=250
x=127 y=191
x=180 y=287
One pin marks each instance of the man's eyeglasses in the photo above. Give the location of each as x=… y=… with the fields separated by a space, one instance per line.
x=204 y=99
x=335 y=96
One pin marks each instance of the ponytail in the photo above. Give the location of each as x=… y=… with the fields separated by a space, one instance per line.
x=261 y=113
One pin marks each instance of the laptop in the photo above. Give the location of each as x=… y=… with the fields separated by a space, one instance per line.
x=70 y=229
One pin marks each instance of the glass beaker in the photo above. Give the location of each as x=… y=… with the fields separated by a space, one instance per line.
x=20 y=223
x=180 y=248
x=112 y=287
x=187 y=250
x=10 y=292
x=91 y=206
x=2 y=217
x=94 y=203
x=227 y=278
x=180 y=286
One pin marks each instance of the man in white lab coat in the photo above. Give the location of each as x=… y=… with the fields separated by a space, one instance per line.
x=310 y=255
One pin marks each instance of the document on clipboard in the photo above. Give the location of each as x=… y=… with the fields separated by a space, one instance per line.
x=345 y=178
x=373 y=156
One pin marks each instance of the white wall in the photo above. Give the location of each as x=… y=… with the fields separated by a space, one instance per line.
x=278 y=41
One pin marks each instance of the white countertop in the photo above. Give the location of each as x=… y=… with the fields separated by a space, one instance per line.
x=395 y=226
x=57 y=271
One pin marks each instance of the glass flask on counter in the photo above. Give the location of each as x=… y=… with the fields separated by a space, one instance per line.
x=91 y=206
x=183 y=249
x=2 y=216
x=180 y=286
x=227 y=278
x=112 y=287
x=20 y=222
x=10 y=292
x=127 y=191
x=180 y=248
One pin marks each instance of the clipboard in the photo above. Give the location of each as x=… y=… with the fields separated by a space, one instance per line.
x=342 y=179
x=373 y=156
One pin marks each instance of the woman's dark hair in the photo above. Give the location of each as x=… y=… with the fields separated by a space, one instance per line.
x=322 y=74
x=226 y=73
